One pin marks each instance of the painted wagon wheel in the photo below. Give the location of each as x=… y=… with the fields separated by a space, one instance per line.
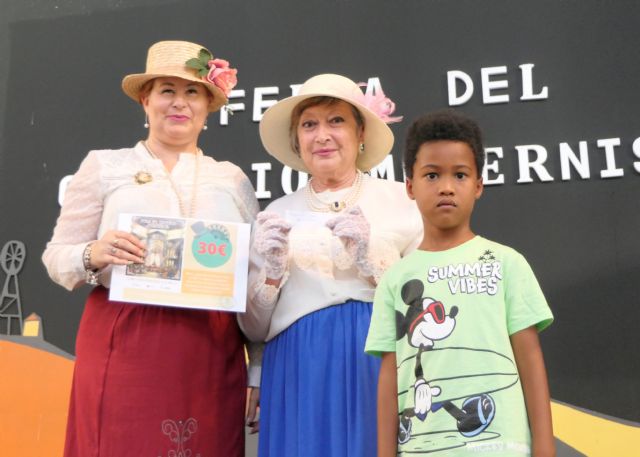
x=12 y=257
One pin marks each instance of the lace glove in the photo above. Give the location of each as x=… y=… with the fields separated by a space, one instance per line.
x=353 y=230
x=272 y=243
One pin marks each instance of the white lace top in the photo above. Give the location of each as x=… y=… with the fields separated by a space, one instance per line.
x=104 y=186
x=320 y=273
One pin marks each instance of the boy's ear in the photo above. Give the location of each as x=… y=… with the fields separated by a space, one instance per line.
x=479 y=187
x=408 y=182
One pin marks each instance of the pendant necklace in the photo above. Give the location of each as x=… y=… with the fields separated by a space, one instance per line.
x=181 y=204
x=316 y=203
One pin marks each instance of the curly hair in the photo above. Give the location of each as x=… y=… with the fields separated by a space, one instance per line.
x=443 y=125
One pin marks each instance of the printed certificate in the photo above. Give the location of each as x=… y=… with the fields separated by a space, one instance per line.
x=190 y=263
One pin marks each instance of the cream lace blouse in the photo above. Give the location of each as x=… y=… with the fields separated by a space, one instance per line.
x=320 y=273
x=105 y=186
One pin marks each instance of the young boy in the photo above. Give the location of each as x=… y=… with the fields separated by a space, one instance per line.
x=456 y=322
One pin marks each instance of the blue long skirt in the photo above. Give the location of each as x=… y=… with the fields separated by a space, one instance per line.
x=319 y=388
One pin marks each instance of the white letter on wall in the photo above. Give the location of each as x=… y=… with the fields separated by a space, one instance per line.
x=261 y=169
x=259 y=105
x=452 y=77
x=636 y=151
x=527 y=84
x=373 y=86
x=581 y=165
x=286 y=180
x=525 y=166
x=492 y=166
x=488 y=86
x=610 y=157
x=385 y=169
x=233 y=107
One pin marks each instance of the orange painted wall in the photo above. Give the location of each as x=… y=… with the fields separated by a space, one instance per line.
x=34 y=398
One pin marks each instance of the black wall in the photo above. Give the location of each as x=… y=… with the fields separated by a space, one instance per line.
x=62 y=65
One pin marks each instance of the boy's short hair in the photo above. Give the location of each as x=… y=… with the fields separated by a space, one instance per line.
x=443 y=125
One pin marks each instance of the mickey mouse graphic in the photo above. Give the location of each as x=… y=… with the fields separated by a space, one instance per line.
x=424 y=323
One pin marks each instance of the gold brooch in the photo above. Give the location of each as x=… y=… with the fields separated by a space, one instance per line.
x=143 y=177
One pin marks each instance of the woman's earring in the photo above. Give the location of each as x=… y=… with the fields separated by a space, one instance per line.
x=146 y=121
x=361 y=148
x=205 y=126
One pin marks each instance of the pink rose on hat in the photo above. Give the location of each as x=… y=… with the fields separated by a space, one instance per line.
x=214 y=71
x=384 y=107
x=221 y=75
x=380 y=104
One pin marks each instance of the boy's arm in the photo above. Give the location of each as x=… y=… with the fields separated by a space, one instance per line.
x=388 y=407
x=533 y=376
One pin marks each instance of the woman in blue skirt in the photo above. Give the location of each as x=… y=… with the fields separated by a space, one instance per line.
x=317 y=256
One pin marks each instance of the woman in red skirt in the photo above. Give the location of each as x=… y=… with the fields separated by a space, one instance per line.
x=151 y=380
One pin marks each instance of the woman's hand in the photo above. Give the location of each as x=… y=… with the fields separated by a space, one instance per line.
x=353 y=230
x=272 y=243
x=116 y=248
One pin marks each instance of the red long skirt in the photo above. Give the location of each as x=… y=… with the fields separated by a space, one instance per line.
x=155 y=381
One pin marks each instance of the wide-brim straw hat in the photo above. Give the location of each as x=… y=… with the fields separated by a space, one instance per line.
x=276 y=122
x=168 y=59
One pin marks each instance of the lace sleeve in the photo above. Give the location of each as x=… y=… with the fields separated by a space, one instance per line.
x=261 y=301
x=382 y=254
x=261 y=298
x=245 y=196
x=76 y=226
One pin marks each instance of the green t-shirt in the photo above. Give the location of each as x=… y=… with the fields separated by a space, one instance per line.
x=448 y=316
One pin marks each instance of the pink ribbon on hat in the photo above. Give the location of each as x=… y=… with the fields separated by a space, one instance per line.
x=380 y=104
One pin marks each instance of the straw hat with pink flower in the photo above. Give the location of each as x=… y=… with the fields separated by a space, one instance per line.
x=189 y=61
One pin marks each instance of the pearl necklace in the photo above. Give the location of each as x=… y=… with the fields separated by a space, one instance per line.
x=183 y=213
x=318 y=204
